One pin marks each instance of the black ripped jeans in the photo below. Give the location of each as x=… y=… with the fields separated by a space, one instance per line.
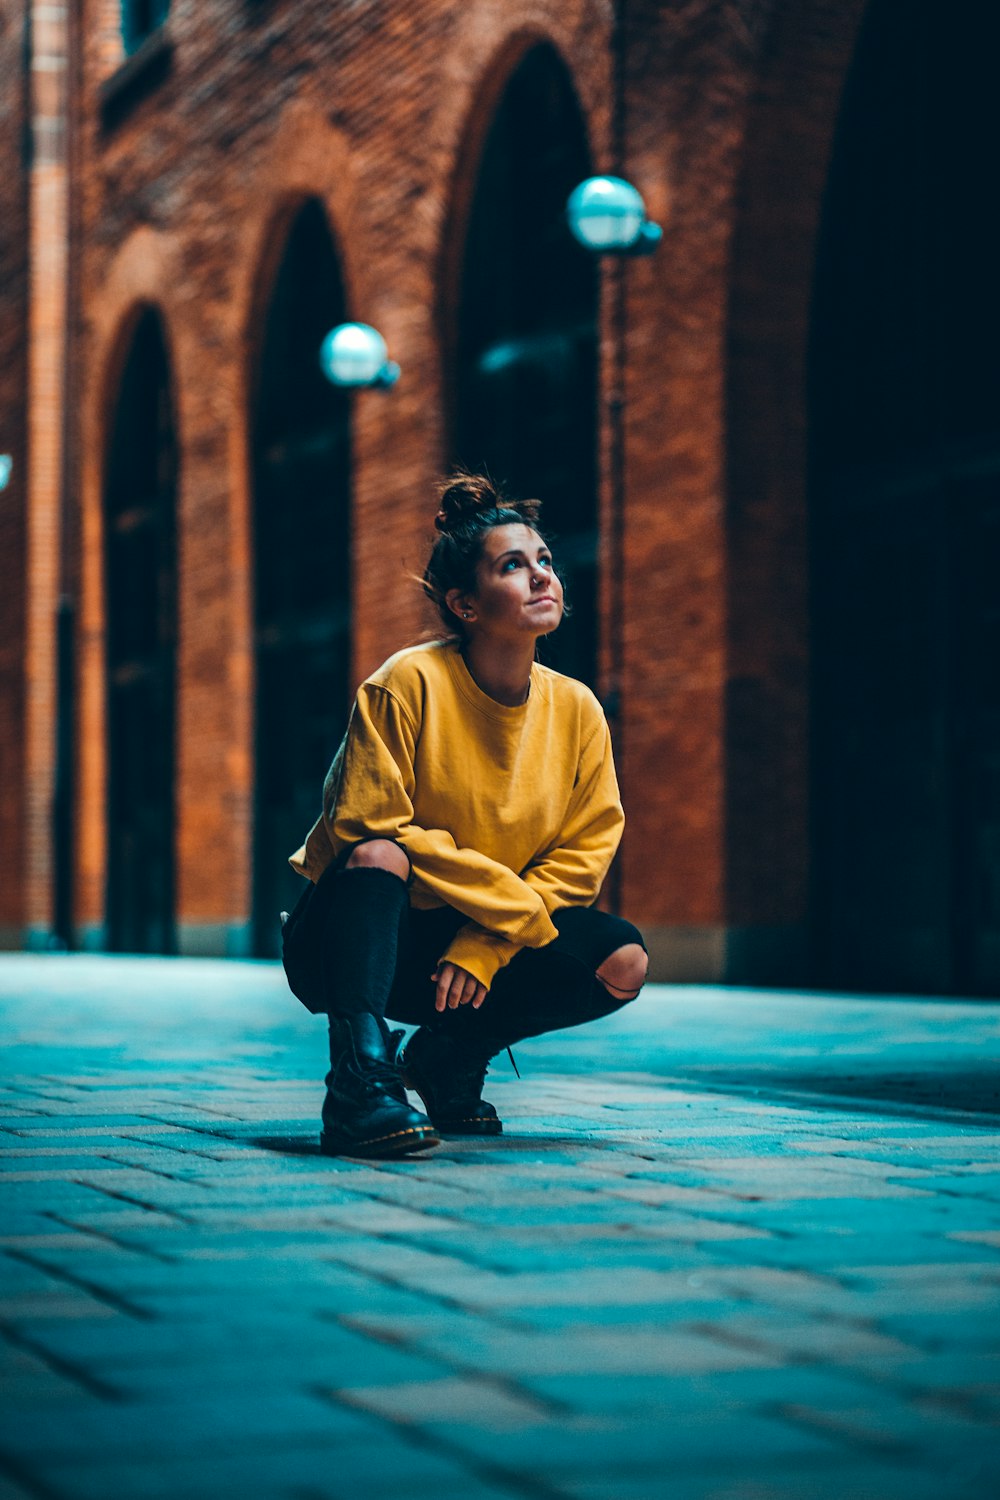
x=354 y=943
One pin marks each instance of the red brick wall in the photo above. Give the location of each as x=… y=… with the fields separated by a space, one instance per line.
x=782 y=176
x=13 y=418
x=376 y=110
x=691 y=70
x=184 y=203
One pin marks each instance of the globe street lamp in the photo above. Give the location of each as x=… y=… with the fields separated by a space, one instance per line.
x=608 y=216
x=354 y=356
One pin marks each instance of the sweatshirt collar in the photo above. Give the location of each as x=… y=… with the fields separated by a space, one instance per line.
x=470 y=690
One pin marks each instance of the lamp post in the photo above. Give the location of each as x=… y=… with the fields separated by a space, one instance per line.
x=354 y=356
x=607 y=216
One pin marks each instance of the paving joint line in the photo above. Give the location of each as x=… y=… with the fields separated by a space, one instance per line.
x=22 y=1476
x=68 y=1368
x=436 y=1299
x=529 y=1485
x=408 y=1242
x=93 y=1288
x=132 y=1201
x=155 y=1171
x=810 y=1420
x=110 y=1239
x=507 y=1385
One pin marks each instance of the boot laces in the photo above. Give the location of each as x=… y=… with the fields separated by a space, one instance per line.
x=382 y=1077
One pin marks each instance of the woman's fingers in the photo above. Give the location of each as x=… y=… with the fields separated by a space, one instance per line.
x=443 y=974
x=457 y=987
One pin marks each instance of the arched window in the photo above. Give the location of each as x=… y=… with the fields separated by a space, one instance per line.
x=140 y=18
x=141 y=630
x=524 y=364
x=302 y=562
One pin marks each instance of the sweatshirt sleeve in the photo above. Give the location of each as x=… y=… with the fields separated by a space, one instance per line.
x=371 y=796
x=569 y=873
x=572 y=871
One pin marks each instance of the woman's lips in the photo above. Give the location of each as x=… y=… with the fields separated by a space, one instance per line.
x=548 y=599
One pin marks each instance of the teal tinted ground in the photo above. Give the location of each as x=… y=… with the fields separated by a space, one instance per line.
x=734 y=1245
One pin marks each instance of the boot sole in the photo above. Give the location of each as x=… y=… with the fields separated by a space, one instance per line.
x=453 y=1127
x=469 y=1127
x=399 y=1143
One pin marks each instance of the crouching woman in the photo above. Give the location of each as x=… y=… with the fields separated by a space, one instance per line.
x=469 y=819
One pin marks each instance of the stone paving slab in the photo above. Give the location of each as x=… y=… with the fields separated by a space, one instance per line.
x=733 y=1245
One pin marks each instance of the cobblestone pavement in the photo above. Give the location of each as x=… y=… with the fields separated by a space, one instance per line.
x=734 y=1245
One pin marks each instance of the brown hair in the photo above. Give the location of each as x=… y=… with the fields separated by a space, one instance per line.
x=470 y=505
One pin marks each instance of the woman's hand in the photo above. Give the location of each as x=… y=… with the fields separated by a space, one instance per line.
x=457 y=987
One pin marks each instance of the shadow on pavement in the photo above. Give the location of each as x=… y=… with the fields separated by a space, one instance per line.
x=965 y=1091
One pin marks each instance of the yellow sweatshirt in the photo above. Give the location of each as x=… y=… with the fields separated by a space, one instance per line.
x=505 y=813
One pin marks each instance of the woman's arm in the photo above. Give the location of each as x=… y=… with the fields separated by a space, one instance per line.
x=569 y=873
x=572 y=871
x=371 y=796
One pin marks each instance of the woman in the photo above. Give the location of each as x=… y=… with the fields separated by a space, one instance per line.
x=469 y=818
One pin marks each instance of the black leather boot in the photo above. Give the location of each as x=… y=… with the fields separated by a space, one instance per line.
x=365 y=1112
x=449 y=1073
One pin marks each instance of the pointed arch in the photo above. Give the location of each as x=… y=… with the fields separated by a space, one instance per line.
x=140 y=641
x=519 y=312
x=300 y=464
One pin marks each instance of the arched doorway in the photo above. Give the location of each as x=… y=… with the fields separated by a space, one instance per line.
x=905 y=513
x=523 y=387
x=302 y=563
x=141 y=630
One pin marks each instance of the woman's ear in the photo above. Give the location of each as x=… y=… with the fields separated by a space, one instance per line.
x=461 y=605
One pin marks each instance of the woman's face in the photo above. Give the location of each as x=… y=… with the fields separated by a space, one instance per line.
x=517 y=592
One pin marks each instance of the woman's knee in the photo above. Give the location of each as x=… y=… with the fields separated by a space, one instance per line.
x=379 y=854
x=623 y=972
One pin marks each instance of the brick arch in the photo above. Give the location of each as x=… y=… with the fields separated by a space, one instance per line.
x=273 y=242
x=113 y=369
x=787 y=148
x=141 y=277
x=491 y=82
x=577 y=31
x=305 y=158
x=484 y=43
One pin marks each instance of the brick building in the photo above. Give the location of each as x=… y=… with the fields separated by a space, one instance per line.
x=769 y=449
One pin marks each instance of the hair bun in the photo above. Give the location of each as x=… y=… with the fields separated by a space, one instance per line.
x=463 y=496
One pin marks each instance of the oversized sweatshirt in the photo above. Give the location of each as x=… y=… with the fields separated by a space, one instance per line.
x=506 y=814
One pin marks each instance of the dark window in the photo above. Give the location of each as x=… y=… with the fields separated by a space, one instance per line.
x=140 y=18
x=524 y=394
x=905 y=519
x=302 y=564
x=141 y=629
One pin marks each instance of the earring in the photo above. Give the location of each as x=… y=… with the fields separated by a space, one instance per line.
x=466 y=614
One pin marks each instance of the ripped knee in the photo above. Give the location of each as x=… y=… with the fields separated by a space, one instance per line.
x=623 y=972
x=380 y=854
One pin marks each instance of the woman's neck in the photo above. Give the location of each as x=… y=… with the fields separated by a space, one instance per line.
x=502 y=671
